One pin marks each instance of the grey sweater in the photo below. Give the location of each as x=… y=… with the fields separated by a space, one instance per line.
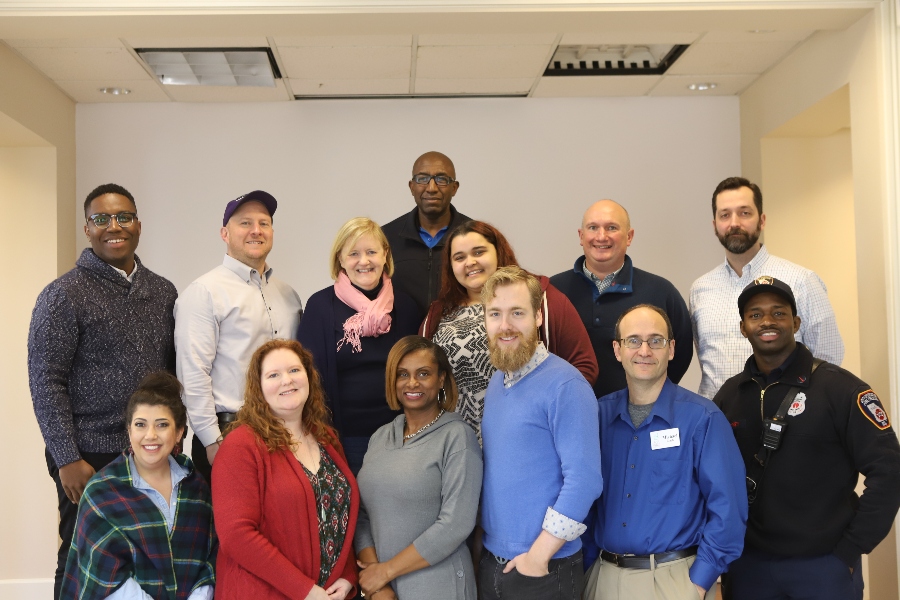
x=93 y=337
x=423 y=493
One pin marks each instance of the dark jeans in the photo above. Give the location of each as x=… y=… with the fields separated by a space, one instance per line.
x=564 y=582
x=762 y=576
x=68 y=512
x=198 y=456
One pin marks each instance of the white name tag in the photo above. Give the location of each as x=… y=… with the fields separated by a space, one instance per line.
x=667 y=438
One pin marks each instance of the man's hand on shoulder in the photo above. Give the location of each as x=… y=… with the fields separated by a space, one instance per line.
x=74 y=477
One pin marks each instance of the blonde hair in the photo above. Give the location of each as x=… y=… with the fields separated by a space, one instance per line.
x=349 y=233
x=509 y=276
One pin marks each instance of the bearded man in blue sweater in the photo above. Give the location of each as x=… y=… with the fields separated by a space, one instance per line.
x=541 y=453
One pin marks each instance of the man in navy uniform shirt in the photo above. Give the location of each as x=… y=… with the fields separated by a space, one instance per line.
x=807 y=528
x=674 y=508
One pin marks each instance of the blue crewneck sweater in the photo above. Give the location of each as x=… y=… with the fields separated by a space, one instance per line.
x=541 y=449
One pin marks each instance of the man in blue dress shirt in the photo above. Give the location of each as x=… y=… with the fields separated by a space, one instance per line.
x=674 y=507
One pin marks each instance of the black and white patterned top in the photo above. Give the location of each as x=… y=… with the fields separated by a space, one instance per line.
x=463 y=337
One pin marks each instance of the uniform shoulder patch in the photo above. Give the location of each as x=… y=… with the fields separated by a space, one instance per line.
x=871 y=407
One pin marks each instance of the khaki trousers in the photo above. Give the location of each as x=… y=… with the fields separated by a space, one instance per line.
x=668 y=581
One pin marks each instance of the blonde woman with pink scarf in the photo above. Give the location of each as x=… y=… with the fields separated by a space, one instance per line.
x=350 y=328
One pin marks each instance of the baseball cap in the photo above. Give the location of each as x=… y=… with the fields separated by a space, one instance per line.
x=259 y=196
x=765 y=283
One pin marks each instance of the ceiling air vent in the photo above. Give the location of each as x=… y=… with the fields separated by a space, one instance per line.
x=253 y=67
x=609 y=59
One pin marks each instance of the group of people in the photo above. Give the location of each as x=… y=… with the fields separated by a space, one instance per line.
x=442 y=423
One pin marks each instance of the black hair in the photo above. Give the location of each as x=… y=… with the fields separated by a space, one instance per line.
x=107 y=188
x=159 y=388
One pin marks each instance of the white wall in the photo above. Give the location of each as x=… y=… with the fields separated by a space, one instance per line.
x=531 y=167
x=28 y=529
x=818 y=68
x=809 y=207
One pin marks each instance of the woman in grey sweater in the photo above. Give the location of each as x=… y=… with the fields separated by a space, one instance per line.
x=419 y=483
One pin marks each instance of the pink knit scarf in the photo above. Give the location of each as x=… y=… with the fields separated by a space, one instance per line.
x=372 y=317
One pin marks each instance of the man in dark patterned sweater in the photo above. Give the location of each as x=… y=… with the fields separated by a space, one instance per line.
x=95 y=332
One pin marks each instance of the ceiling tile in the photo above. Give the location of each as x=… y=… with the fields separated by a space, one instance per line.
x=87 y=92
x=65 y=43
x=383 y=62
x=615 y=85
x=730 y=58
x=726 y=85
x=791 y=35
x=206 y=42
x=349 y=87
x=481 y=62
x=200 y=93
x=474 y=86
x=92 y=64
x=343 y=40
x=492 y=39
x=616 y=38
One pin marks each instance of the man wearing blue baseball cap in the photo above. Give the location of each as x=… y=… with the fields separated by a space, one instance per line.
x=807 y=429
x=223 y=316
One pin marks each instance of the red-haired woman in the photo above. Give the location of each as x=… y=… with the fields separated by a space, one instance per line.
x=472 y=253
x=284 y=500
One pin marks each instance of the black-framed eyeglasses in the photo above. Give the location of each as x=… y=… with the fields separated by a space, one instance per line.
x=424 y=179
x=634 y=342
x=102 y=220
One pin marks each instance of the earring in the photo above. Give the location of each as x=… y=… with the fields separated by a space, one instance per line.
x=442 y=397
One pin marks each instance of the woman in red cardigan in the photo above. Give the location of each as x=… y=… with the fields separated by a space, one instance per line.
x=284 y=500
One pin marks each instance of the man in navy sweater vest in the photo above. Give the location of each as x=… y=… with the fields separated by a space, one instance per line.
x=541 y=453
x=604 y=283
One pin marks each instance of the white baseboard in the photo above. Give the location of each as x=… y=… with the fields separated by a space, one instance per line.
x=26 y=589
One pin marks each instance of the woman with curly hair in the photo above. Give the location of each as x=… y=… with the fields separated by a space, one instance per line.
x=472 y=253
x=285 y=501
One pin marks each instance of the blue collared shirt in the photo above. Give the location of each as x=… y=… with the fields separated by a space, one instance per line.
x=432 y=240
x=670 y=498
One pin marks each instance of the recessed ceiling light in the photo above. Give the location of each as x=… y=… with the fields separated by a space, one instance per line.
x=702 y=87
x=114 y=91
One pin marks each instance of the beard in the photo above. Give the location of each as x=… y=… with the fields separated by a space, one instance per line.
x=513 y=359
x=738 y=241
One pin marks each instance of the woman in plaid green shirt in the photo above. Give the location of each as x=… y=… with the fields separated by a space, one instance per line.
x=145 y=521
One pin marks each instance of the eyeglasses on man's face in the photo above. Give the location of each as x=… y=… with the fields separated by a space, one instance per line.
x=424 y=179
x=102 y=220
x=634 y=342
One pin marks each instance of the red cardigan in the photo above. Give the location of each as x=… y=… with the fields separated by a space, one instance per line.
x=562 y=332
x=266 y=520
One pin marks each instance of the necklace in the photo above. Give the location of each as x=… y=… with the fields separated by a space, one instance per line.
x=423 y=428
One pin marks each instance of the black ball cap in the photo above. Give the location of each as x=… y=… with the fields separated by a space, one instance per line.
x=267 y=200
x=766 y=284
